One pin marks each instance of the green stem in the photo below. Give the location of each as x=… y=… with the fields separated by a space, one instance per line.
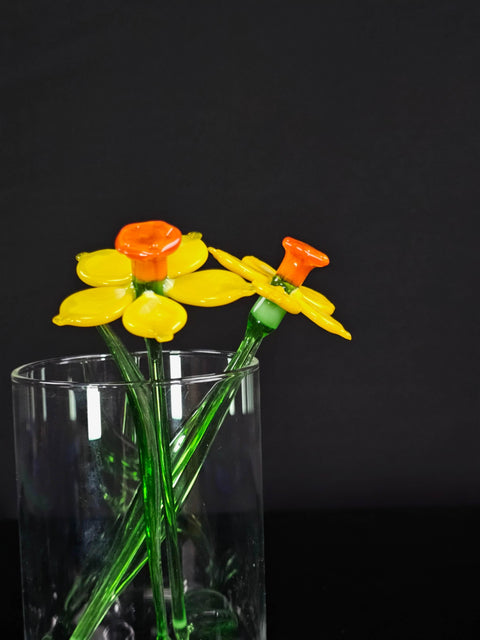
x=179 y=616
x=149 y=463
x=201 y=427
x=197 y=434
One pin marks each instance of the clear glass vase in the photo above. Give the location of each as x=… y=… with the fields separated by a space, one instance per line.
x=83 y=554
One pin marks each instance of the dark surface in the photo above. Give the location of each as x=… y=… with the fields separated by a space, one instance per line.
x=361 y=574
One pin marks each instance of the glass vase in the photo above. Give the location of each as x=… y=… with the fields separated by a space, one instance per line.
x=82 y=538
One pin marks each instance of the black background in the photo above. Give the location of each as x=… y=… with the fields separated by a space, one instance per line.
x=353 y=126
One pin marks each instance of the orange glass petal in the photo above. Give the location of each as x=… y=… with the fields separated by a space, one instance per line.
x=148 y=244
x=300 y=258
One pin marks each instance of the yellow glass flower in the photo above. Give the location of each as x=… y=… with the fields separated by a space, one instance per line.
x=143 y=280
x=284 y=286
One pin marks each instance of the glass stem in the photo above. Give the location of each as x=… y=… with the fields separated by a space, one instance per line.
x=201 y=427
x=179 y=617
x=126 y=558
x=149 y=463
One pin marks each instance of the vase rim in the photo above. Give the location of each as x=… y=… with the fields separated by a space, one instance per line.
x=23 y=373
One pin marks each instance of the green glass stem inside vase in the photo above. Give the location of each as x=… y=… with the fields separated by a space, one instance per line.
x=179 y=616
x=188 y=451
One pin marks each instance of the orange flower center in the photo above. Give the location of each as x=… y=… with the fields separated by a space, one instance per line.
x=300 y=258
x=148 y=244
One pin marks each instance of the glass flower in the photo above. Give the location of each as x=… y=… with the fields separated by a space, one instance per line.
x=284 y=287
x=152 y=269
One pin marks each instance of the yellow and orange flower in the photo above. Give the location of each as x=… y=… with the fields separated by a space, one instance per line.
x=152 y=269
x=284 y=287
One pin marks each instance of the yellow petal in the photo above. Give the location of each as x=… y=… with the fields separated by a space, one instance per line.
x=209 y=288
x=262 y=268
x=189 y=256
x=278 y=295
x=154 y=316
x=104 y=268
x=237 y=266
x=315 y=299
x=92 y=307
x=324 y=320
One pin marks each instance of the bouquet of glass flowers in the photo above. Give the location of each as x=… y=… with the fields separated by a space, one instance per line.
x=145 y=281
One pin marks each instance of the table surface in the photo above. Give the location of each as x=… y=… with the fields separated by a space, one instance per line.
x=373 y=574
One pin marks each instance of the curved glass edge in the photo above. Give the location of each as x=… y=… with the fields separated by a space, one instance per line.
x=23 y=373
